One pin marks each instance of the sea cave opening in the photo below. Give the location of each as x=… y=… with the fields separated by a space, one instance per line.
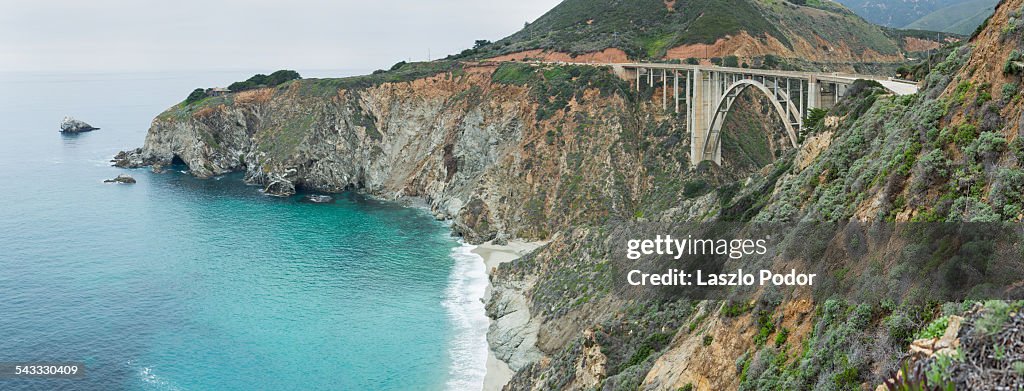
x=178 y=161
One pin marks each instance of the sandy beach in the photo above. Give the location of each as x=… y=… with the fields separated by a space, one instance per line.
x=498 y=372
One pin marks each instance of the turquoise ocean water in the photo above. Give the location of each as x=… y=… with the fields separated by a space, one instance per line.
x=178 y=283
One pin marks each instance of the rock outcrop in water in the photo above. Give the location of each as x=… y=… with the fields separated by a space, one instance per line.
x=71 y=125
x=130 y=159
x=123 y=178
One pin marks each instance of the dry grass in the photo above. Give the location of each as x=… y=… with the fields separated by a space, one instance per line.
x=207 y=112
x=257 y=96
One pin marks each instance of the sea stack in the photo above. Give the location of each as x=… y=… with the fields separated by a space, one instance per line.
x=71 y=125
x=123 y=178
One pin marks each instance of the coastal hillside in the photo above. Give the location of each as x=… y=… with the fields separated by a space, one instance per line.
x=617 y=31
x=950 y=154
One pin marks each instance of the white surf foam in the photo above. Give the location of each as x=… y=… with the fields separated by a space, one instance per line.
x=154 y=382
x=463 y=301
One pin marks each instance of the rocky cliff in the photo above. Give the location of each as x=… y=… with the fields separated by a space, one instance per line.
x=504 y=151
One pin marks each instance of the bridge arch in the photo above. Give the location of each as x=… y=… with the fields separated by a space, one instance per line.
x=781 y=100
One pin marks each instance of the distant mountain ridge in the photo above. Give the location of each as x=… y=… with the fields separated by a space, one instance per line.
x=615 y=30
x=961 y=18
x=896 y=13
x=952 y=16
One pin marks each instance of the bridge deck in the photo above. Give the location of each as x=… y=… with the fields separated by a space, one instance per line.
x=899 y=87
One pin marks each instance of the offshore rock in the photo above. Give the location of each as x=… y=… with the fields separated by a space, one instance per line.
x=123 y=178
x=71 y=125
x=129 y=159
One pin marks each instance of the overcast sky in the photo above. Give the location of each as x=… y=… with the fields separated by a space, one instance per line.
x=143 y=35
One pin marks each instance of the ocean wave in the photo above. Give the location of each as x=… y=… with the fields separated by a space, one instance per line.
x=467 y=352
x=154 y=382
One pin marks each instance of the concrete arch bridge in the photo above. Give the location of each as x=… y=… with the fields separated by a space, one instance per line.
x=708 y=93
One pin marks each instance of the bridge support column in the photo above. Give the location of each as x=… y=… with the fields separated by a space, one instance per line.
x=675 y=89
x=664 y=89
x=813 y=94
x=699 y=106
x=803 y=105
x=637 y=79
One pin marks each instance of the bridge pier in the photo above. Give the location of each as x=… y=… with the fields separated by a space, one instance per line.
x=705 y=91
x=813 y=94
x=664 y=89
x=675 y=89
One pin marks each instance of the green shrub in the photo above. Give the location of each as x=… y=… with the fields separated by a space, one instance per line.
x=1017 y=148
x=984 y=94
x=964 y=134
x=814 y=117
x=279 y=77
x=960 y=94
x=765 y=328
x=239 y=86
x=934 y=165
x=708 y=340
x=694 y=188
x=781 y=337
x=1014 y=64
x=847 y=378
x=986 y=145
x=513 y=73
x=1009 y=91
x=197 y=95
x=935 y=329
x=1007 y=192
x=734 y=309
x=640 y=356
x=907 y=159
x=971 y=210
x=481 y=43
x=994 y=315
x=261 y=80
x=901 y=327
x=731 y=61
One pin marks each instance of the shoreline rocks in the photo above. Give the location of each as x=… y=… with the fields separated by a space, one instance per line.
x=318 y=199
x=71 y=125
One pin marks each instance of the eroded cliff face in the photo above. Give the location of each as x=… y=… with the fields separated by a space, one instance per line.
x=499 y=157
